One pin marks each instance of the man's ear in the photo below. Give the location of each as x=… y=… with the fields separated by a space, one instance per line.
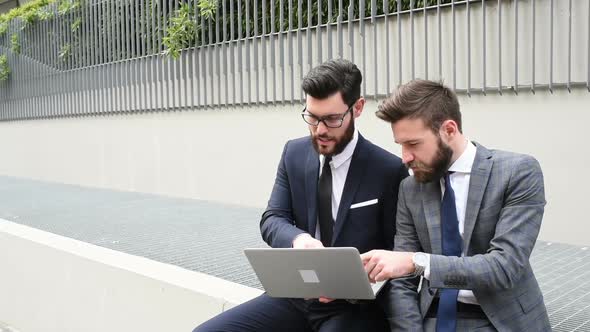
x=357 y=108
x=449 y=128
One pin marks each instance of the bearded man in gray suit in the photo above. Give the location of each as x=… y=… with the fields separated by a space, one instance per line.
x=467 y=221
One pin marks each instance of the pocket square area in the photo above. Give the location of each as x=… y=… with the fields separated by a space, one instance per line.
x=365 y=203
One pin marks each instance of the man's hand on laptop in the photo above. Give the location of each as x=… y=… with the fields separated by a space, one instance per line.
x=384 y=264
x=305 y=241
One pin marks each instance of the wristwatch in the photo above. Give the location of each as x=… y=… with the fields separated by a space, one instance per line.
x=420 y=261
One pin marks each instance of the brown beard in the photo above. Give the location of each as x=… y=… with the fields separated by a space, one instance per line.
x=442 y=160
x=340 y=145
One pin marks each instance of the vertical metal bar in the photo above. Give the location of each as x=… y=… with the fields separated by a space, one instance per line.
x=256 y=51
x=387 y=64
x=111 y=67
x=128 y=57
x=588 y=53
x=375 y=67
x=272 y=51
x=108 y=62
x=180 y=71
x=206 y=61
x=147 y=61
x=351 y=30
x=339 y=30
x=319 y=32
x=224 y=47
x=290 y=52
x=118 y=56
x=308 y=35
x=300 y=43
x=233 y=45
x=166 y=62
x=426 y=37
x=551 y=48
x=282 y=49
x=174 y=68
x=116 y=66
x=468 y=49
x=569 y=49
x=132 y=75
x=363 y=40
x=103 y=59
x=483 y=40
x=413 y=56
x=240 y=46
x=153 y=58
x=399 y=41
x=454 y=45
x=196 y=75
x=249 y=85
x=533 y=50
x=264 y=66
x=439 y=39
x=516 y=47
x=328 y=29
x=500 y=47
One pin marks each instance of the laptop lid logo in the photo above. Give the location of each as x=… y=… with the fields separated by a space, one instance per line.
x=309 y=276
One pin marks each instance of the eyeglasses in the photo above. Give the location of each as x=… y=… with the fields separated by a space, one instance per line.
x=330 y=121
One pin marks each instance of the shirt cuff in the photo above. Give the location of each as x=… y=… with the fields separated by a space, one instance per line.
x=427 y=269
x=298 y=235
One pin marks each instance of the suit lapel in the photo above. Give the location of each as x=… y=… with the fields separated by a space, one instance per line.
x=358 y=164
x=431 y=200
x=312 y=169
x=480 y=174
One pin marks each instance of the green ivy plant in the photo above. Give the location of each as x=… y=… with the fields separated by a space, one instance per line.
x=66 y=6
x=15 y=43
x=207 y=8
x=76 y=24
x=181 y=31
x=3 y=28
x=4 y=68
x=65 y=51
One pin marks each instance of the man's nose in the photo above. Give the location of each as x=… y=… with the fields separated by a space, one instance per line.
x=407 y=156
x=321 y=128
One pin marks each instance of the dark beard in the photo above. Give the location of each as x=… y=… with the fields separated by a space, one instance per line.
x=340 y=145
x=440 y=165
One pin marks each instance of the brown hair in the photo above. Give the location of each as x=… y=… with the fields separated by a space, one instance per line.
x=430 y=101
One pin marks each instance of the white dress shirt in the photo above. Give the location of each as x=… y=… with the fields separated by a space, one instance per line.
x=460 y=184
x=339 y=165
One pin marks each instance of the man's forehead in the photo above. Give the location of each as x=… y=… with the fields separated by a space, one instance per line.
x=409 y=129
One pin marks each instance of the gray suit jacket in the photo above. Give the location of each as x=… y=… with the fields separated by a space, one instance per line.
x=505 y=207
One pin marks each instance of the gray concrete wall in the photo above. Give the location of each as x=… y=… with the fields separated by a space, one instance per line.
x=230 y=155
x=56 y=284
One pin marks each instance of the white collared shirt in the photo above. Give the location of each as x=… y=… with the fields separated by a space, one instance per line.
x=339 y=165
x=460 y=184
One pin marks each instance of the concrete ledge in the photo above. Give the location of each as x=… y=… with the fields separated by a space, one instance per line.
x=53 y=283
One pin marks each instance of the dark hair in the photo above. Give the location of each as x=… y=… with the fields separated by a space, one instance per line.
x=430 y=101
x=337 y=75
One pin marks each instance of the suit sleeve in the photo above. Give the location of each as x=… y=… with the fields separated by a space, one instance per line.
x=390 y=199
x=515 y=234
x=277 y=222
x=402 y=309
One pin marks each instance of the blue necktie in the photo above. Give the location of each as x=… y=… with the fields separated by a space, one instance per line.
x=446 y=317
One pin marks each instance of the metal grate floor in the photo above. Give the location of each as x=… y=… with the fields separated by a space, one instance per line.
x=209 y=237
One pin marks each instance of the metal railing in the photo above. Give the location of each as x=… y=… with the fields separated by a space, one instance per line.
x=109 y=56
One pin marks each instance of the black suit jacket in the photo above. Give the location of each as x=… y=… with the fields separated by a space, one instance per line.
x=292 y=209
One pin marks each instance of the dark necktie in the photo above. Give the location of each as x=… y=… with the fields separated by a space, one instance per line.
x=325 y=203
x=446 y=317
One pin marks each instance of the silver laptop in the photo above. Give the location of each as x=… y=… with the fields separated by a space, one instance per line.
x=335 y=273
